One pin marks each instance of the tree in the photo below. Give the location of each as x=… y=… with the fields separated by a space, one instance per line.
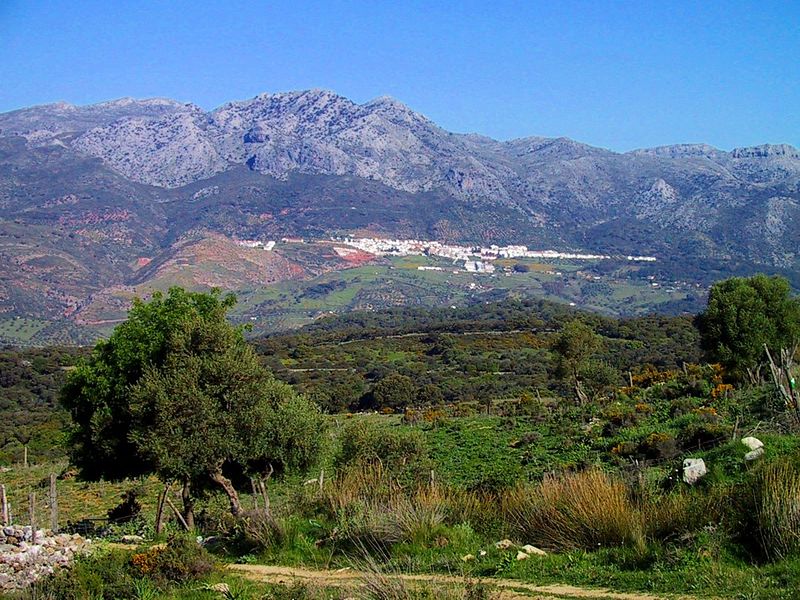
x=394 y=391
x=744 y=314
x=193 y=406
x=576 y=345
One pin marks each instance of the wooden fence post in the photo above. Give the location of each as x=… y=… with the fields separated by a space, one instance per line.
x=25 y=456
x=4 y=506
x=53 y=504
x=32 y=510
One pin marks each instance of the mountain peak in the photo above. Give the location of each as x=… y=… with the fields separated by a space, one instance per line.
x=766 y=151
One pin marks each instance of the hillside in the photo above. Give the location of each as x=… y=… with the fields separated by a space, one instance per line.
x=89 y=195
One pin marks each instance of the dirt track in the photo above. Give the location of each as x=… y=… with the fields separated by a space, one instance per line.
x=510 y=589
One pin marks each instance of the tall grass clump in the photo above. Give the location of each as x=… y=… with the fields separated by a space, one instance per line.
x=373 y=510
x=583 y=510
x=775 y=509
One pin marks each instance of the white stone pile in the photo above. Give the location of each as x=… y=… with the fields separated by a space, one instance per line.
x=26 y=554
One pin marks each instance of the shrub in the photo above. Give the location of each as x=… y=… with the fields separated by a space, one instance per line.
x=401 y=453
x=99 y=575
x=261 y=529
x=179 y=561
x=579 y=510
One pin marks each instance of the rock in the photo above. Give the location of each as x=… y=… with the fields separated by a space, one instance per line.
x=221 y=588
x=132 y=539
x=754 y=455
x=482 y=553
x=752 y=443
x=522 y=555
x=468 y=557
x=694 y=469
x=504 y=544
x=528 y=549
x=30 y=554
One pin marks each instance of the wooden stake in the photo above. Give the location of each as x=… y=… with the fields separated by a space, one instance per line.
x=160 y=510
x=177 y=512
x=32 y=510
x=321 y=479
x=53 y=504
x=3 y=506
x=25 y=456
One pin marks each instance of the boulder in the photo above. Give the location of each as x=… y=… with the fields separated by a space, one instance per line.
x=754 y=455
x=521 y=555
x=752 y=443
x=694 y=469
x=504 y=544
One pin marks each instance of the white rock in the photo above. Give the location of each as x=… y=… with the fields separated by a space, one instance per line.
x=528 y=549
x=752 y=443
x=504 y=544
x=694 y=469
x=132 y=539
x=521 y=555
x=754 y=454
x=468 y=557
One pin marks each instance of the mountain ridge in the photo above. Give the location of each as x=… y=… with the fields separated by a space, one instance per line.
x=87 y=192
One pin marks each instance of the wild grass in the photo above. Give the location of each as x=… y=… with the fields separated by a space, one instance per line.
x=585 y=510
x=776 y=495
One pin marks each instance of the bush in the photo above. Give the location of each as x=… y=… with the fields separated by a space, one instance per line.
x=583 y=510
x=260 y=529
x=401 y=453
x=99 y=575
x=179 y=561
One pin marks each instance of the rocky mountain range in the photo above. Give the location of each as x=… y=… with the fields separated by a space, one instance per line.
x=88 y=193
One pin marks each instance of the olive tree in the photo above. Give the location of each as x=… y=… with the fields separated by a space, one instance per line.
x=745 y=314
x=177 y=391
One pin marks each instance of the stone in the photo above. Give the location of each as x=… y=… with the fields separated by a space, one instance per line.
x=694 y=469
x=752 y=443
x=132 y=539
x=30 y=554
x=528 y=549
x=221 y=588
x=468 y=557
x=522 y=555
x=754 y=455
x=504 y=544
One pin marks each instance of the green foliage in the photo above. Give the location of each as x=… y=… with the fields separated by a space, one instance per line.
x=401 y=452
x=97 y=392
x=29 y=383
x=394 y=391
x=744 y=314
x=180 y=390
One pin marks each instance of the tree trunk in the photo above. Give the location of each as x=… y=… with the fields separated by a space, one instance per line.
x=188 y=505
x=225 y=484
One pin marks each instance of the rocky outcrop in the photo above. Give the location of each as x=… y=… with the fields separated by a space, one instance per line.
x=168 y=152
x=26 y=555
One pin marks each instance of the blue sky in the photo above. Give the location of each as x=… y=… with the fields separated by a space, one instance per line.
x=621 y=75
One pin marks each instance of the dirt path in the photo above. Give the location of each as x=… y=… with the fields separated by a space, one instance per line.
x=510 y=589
